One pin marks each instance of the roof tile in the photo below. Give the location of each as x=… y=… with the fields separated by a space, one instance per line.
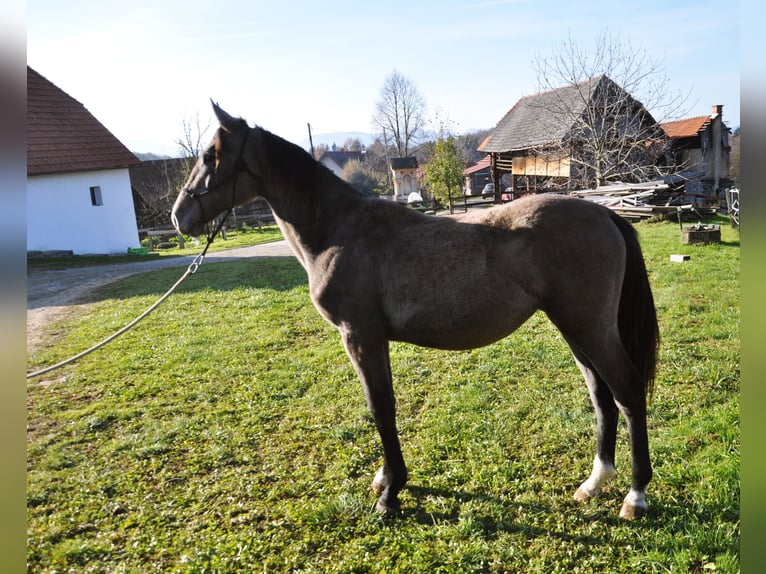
x=685 y=128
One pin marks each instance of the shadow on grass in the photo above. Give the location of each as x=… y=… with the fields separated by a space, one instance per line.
x=663 y=516
x=489 y=526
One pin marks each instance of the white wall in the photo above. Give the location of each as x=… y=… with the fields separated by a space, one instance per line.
x=60 y=215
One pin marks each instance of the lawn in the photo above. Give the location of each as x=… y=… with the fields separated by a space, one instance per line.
x=243 y=237
x=228 y=433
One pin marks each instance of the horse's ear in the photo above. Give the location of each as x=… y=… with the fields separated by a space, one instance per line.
x=227 y=122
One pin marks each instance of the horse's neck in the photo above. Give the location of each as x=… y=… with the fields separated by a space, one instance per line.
x=309 y=217
x=309 y=202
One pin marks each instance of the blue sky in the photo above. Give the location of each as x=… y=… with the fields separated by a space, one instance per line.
x=142 y=67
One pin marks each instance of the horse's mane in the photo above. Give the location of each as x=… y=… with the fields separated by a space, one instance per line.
x=292 y=168
x=286 y=161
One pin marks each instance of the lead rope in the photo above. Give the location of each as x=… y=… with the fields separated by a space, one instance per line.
x=191 y=270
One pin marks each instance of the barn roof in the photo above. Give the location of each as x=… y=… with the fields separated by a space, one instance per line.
x=533 y=120
x=63 y=136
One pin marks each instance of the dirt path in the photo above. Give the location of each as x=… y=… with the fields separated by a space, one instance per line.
x=52 y=295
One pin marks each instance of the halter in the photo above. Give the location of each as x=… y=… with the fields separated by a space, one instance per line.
x=240 y=165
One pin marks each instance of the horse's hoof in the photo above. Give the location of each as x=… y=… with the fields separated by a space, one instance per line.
x=583 y=495
x=634 y=506
x=632 y=512
x=386 y=510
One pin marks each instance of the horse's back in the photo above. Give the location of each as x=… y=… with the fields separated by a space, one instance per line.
x=570 y=253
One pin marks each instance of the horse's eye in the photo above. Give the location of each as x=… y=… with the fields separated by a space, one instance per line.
x=209 y=159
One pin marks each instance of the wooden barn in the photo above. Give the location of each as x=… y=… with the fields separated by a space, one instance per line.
x=541 y=143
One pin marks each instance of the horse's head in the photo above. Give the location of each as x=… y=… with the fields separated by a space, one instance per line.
x=217 y=181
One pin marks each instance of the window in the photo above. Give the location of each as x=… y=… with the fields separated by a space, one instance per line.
x=95 y=195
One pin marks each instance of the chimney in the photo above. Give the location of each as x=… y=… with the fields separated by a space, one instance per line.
x=718 y=109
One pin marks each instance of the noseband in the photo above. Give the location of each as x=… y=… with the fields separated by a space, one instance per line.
x=239 y=166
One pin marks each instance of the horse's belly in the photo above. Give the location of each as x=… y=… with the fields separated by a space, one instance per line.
x=460 y=326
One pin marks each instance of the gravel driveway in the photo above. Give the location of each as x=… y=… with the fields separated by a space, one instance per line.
x=51 y=293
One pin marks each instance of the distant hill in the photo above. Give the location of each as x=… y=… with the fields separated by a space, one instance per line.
x=149 y=156
x=337 y=138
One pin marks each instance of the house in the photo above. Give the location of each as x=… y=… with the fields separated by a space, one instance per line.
x=405 y=176
x=477 y=175
x=335 y=161
x=700 y=153
x=78 y=185
x=544 y=141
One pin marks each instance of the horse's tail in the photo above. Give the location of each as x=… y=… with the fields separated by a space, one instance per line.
x=637 y=318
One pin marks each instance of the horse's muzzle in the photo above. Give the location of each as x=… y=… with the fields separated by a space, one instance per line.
x=187 y=216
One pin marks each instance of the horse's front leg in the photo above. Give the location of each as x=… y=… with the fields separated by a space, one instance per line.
x=369 y=355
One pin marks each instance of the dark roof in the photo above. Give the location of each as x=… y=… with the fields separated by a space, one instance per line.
x=342 y=157
x=404 y=162
x=534 y=120
x=63 y=136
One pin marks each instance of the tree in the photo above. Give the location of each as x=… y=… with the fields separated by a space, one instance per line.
x=192 y=140
x=155 y=184
x=612 y=134
x=365 y=180
x=320 y=150
x=444 y=171
x=352 y=144
x=399 y=113
x=468 y=142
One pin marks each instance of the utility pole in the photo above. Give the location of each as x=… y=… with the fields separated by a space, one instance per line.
x=311 y=141
x=388 y=161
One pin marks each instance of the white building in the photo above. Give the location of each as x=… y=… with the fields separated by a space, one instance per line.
x=78 y=187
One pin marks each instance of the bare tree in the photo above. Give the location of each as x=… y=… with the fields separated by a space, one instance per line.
x=158 y=181
x=613 y=99
x=156 y=184
x=192 y=139
x=400 y=113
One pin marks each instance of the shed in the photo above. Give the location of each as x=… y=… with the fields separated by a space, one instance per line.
x=477 y=175
x=700 y=149
x=404 y=170
x=78 y=185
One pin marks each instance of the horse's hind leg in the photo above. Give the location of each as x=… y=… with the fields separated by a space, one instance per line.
x=370 y=358
x=614 y=372
x=606 y=437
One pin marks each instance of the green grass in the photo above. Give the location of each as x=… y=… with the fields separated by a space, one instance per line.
x=228 y=433
x=244 y=237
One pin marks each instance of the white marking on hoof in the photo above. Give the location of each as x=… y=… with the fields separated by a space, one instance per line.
x=591 y=488
x=634 y=506
x=379 y=482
